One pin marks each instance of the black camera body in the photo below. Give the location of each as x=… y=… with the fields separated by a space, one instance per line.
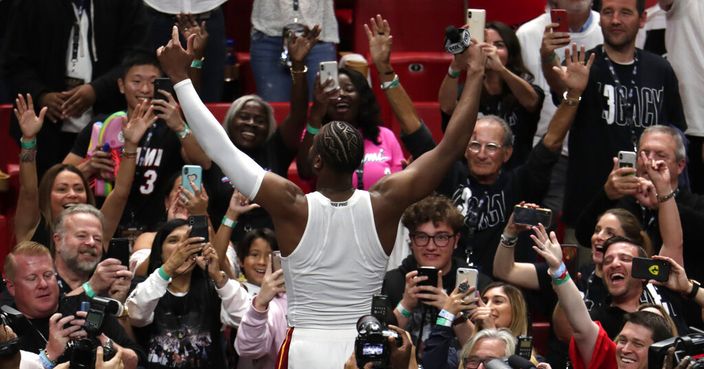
x=82 y=351
x=691 y=345
x=371 y=344
x=19 y=323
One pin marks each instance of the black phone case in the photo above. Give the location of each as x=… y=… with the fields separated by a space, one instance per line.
x=646 y=268
x=199 y=226
x=432 y=275
x=119 y=248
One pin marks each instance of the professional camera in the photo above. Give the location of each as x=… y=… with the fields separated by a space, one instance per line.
x=691 y=345
x=371 y=345
x=82 y=351
x=12 y=318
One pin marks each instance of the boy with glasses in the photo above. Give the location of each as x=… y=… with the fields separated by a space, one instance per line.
x=434 y=225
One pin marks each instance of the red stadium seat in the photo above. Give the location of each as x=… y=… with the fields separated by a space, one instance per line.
x=10 y=150
x=541 y=334
x=420 y=73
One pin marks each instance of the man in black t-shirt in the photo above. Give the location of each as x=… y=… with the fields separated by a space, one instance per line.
x=629 y=90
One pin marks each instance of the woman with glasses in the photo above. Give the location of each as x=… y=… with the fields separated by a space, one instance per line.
x=434 y=225
x=508 y=91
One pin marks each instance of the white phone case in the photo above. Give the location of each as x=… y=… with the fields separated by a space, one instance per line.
x=476 y=21
x=466 y=274
x=328 y=70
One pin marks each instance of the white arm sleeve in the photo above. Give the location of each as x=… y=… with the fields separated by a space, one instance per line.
x=246 y=175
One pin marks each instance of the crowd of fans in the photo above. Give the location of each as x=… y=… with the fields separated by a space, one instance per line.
x=534 y=119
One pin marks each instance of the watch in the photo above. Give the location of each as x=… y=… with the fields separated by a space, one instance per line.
x=571 y=101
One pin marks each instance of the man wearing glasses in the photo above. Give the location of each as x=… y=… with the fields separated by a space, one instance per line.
x=483 y=191
x=434 y=225
x=486 y=345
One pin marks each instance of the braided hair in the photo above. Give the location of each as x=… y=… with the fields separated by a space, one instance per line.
x=341 y=146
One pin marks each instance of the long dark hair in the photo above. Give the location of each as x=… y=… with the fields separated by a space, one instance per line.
x=514 y=63
x=368 y=113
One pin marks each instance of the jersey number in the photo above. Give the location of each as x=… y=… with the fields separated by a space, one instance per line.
x=149 y=179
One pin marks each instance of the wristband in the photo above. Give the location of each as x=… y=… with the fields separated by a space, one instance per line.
x=391 y=84
x=46 y=362
x=559 y=281
x=227 y=222
x=695 y=289
x=163 y=274
x=401 y=309
x=29 y=144
x=559 y=272
x=447 y=315
x=443 y=322
x=507 y=241
x=197 y=63
x=89 y=291
x=182 y=134
x=668 y=196
x=312 y=130
x=130 y=155
x=453 y=73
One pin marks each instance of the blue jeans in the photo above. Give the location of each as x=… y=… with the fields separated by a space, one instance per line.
x=212 y=75
x=273 y=79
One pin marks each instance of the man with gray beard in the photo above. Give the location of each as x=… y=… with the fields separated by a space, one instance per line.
x=79 y=246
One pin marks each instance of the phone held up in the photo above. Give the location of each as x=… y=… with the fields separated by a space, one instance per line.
x=559 y=16
x=191 y=173
x=646 y=268
x=531 y=216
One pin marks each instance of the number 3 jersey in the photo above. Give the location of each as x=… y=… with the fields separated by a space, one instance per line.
x=158 y=160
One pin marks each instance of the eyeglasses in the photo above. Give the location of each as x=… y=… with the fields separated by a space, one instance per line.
x=473 y=361
x=491 y=148
x=423 y=239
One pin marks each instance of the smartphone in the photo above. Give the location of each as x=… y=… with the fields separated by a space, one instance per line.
x=163 y=84
x=431 y=272
x=191 y=173
x=626 y=159
x=467 y=275
x=559 y=16
x=119 y=248
x=328 y=70
x=476 y=21
x=380 y=307
x=199 y=226
x=646 y=268
x=275 y=260
x=530 y=216
x=524 y=348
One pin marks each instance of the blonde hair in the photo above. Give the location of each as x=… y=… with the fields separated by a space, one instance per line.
x=26 y=248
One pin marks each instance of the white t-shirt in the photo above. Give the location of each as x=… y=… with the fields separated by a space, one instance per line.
x=184 y=6
x=270 y=17
x=530 y=35
x=685 y=52
x=82 y=67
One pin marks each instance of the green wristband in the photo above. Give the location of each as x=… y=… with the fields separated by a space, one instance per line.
x=197 y=63
x=443 y=322
x=29 y=144
x=312 y=130
x=562 y=280
x=402 y=309
x=227 y=222
x=89 y=291
x=163 y=274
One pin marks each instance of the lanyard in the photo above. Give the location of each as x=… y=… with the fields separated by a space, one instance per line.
x=79 y=6
x=295 y=5
x=626 y=101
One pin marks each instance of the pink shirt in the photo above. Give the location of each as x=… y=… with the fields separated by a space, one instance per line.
x=380 y=160
x=261 y=333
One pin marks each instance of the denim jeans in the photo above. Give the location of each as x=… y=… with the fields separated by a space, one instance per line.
x=212 y=74
x=272 y=78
